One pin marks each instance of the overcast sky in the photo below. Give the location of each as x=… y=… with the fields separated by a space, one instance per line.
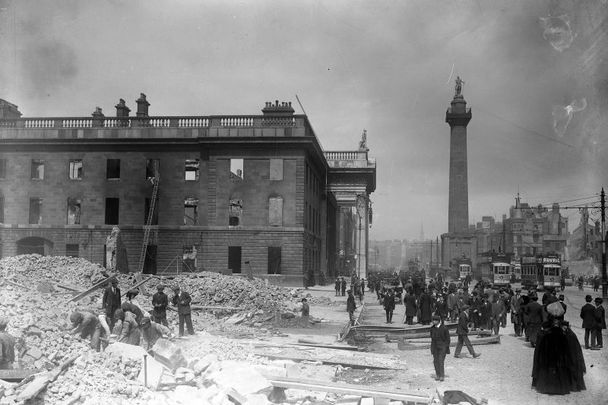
x=385 y=66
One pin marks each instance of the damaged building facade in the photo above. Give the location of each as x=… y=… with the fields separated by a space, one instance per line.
x=252 y=194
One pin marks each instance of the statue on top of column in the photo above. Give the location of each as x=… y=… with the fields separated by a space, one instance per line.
x=459 y=83
x=363 y=141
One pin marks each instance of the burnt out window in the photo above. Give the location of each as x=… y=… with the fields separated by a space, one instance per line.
x=2 y=169
x=75 y=169
x=235 y=211
x=35 y=211
x=112 y=211
x=71 y=250
x=113 y=169
x=74 y=207
x=191 y=211
x=152 y=168
x=191 y=170
x=236 y=169
x=37 y=169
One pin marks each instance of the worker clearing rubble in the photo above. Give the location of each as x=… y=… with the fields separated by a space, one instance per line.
x=88 y=326
x=151 y=332
x=7 y=346
x=126 y=328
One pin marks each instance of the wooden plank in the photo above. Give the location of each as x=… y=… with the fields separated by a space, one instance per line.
x=17 y=284
x=312 y=385
x=408 y=345
x=16 y=375
x=306 y=342
x=69 y=287
x=329 y=362
x=91 y=290
x=140 y=282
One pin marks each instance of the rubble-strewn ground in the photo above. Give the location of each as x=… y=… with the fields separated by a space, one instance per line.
x=229 y=344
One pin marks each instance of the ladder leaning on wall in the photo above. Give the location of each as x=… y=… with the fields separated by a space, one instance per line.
x=144 y=246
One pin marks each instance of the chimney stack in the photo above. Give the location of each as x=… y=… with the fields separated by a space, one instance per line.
x=278 y=109
x=98 y=117
x=122 y=111
x=142 y=105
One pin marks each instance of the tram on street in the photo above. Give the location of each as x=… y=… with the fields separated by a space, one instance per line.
x=501 y=269
x=549 y=271
x=529 y=271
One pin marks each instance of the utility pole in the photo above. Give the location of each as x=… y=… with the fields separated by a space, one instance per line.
x=604 y=279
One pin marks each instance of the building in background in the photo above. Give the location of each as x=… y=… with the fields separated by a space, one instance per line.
x=235 y=194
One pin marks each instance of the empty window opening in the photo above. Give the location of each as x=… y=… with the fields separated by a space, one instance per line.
x=150 y=260
x=234 y=259
x=73 y=211
x=113 y=169
x=191 y=170
x=35 y=211
x=2 y=168
x=37 y=169
x=189 y=258
x=274 y=260
x=1 y=210
x=275 y=211
x=235 y=212
x=190 y=211
x=276 y=169
x=152 y=168
x=154 y=219
x=75 y=169
x=71 y=250
x=236 y=169
x=112 y=207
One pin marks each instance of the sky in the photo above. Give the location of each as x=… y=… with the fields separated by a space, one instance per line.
x=535 y=73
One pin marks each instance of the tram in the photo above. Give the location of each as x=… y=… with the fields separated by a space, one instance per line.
x=463 y=268
x=549 y=271
x=529 y=271
x=501 y=269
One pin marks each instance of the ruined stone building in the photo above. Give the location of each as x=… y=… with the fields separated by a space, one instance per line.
x=241 y=194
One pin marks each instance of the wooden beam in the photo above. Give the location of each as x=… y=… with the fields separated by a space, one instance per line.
x=408 y=345
x=16 y=375
x=348 y=389
x=92 y=289
x=140 y=282
x=329 y=362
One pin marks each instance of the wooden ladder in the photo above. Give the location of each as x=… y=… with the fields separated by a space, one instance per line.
x=144 y=245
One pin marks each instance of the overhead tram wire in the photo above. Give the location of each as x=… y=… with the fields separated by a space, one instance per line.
x=550 y=138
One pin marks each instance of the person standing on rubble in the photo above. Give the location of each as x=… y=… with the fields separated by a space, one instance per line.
x=111 y=301
x=350 y=307
x=440 y=346
x=7 y=346
x=88 y=325
x=151 y=332
x=305 y=319
x=182 y=300
x=160 y=302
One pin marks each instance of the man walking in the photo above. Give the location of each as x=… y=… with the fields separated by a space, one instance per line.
x=515 y=316
x=440 y=346
x=410 y=307
x=111 y=301
x=389 y=305
x=182 y=299
x=535 y=318
x=498 y=310
x=343 y=286
x=462 y=330
x=588 y=317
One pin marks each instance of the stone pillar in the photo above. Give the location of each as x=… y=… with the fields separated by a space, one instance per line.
x=458 y=117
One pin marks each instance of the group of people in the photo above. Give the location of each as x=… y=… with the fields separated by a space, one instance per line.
x=128 y=321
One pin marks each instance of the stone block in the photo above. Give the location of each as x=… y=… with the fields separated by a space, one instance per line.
x=169 y=354
x=126 y=351
x=35 y=353
x=240 y=376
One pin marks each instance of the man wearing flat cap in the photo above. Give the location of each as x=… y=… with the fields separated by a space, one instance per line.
x=160 y=302
x=462 y=330
x=7 y=346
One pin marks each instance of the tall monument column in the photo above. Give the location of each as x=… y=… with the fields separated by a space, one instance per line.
x=458 y=116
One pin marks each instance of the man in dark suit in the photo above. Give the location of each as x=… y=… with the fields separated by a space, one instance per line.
x=410 y=307
x=389 y=305
x=588 y=317
x=462 y=331
x=440 y=346
x=111 y=302
x=535 y=318
x=182 y=299
x=597 y=339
